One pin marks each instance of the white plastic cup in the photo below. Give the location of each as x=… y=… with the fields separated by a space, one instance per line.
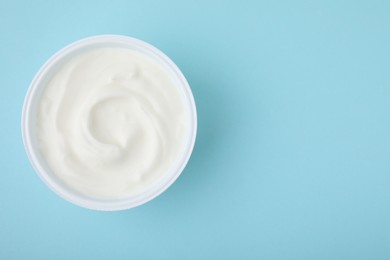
x=35 y=91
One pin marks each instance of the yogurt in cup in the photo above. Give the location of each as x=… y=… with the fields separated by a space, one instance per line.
x=109 y=122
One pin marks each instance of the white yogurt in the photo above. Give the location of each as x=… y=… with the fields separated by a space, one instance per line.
x=110 y=123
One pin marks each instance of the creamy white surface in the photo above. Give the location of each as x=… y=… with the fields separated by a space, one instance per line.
x=110 y=123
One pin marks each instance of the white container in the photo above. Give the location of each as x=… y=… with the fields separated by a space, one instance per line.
x=30 y=108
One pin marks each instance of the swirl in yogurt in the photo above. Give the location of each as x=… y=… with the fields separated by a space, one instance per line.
x=111 y=122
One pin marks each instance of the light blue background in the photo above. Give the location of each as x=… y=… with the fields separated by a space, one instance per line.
x=292 y=159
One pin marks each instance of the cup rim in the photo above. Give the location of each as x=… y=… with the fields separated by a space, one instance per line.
x=32 y=151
